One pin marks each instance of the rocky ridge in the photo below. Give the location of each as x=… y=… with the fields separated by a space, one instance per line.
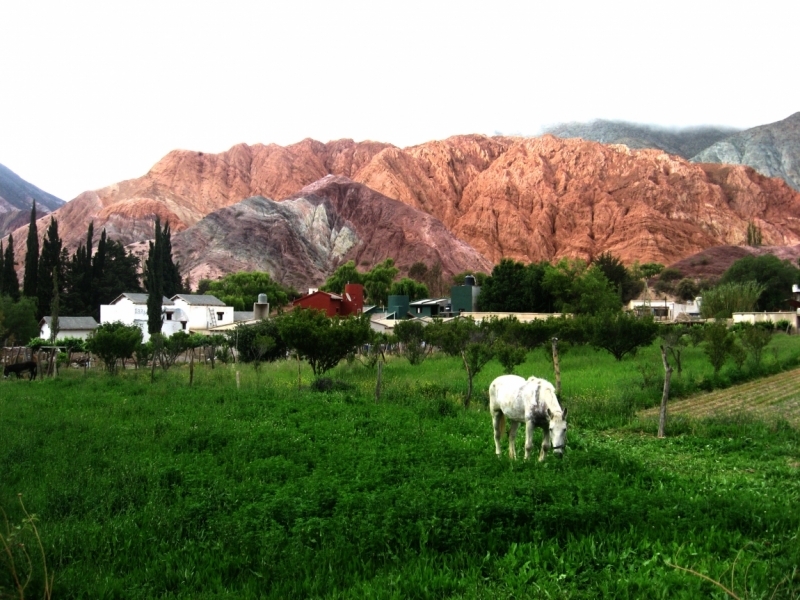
x=772 y=150
x=526 y=198
x=16 y=199
x=304 y=238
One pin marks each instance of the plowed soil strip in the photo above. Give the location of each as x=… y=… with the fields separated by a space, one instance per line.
x=771 y=397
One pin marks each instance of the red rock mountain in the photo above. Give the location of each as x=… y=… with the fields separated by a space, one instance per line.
x=529 y=199
x=302 y=239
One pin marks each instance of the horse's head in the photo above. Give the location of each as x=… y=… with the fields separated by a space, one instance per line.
x=558 y=431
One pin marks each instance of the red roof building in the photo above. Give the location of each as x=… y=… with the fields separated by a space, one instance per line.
x=349 y=303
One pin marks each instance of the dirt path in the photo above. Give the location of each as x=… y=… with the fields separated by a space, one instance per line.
x=769 y=398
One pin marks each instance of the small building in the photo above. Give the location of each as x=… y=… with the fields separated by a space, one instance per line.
x=349 y=303
x=464 y=298
x=74 y=327
x=666 y=310
x=203 y=311
x=398 y=307
x=183 y=312
x=430 y=307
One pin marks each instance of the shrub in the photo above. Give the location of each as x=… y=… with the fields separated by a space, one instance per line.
x=114 y=341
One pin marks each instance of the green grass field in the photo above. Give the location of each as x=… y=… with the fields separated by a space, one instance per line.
x=171 y=491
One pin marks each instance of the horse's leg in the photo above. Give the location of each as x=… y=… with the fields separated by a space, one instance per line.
x=499 y=423
x=529 y=429
x=512 y=439
x=545 y=444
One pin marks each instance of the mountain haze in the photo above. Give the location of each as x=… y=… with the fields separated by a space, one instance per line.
x=685 y=142
x=772 y=150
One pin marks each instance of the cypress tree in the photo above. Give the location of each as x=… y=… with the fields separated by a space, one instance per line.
x=2 y=262
x=54 y=310
x=154 y=281
x=170 y=273
x=9 y=274
x=31 y=276
x=49 y=262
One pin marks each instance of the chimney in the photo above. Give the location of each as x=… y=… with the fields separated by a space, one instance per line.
x=261 y=308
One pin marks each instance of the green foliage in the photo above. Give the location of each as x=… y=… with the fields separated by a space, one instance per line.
x=113 y=342
x=753 y=237
x=409 y=287
x=36 y=343
x=509 y=355
x=272 y=492
x=9 y=284
x=175 y=345
x=626 y=283
x=30 y=278
x=670 y=275
x=241 y=290
x=727 y=298
x=686 y=289
x=411 y=334
x=620 y=333
x=320 y=340
x=649 y=270
x=775 y=276
x=143 y=354
x=718 y=345
x=344 y=274
x=252 y=341
x=754 y=340
x=154 y=281
x=18 y=322
x=51 y=262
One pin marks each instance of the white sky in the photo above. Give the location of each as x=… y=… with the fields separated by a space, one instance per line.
x=92 y=93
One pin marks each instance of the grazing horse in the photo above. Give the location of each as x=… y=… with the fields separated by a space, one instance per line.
x=532 y=401
x=18 y=368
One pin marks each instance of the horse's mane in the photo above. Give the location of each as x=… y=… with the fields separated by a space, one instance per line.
x=549 y=400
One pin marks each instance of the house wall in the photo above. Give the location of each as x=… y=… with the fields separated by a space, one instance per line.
x=774 y=317
x=83 y=334
x=321 y=301
x=134 y=314
x=198 y=314
x=355 y=305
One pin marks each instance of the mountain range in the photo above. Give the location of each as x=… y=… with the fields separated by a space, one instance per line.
x=299 y=211
x=17 y=197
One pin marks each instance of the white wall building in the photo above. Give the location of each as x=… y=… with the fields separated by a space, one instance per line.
x=75 y=327
x=203 y=311
x=668 y=310
x=131 y=309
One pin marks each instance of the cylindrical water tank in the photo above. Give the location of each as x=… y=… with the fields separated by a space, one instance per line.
x=469 y=280
x=262 y=298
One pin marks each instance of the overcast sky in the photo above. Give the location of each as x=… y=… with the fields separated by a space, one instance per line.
x=97 y=92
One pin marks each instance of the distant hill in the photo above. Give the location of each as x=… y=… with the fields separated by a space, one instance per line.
x=772 y=150
x=16 y=198
x=683 y=142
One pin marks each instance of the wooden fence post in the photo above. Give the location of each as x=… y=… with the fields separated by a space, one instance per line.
x=556 y=367
x=662 y=415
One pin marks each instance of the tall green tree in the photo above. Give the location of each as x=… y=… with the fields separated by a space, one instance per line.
x=49 y=262
x=10 y=283
x=171 y=275
x=79 y=280
x=241 y=290
x=55 y=307
x=154 y=281
x=31 y=276
x=320 y=340
x=2 y=262
x=776 y=275
x=18 y=323
x=378 y=280
x=627 y=285
x=408 y=287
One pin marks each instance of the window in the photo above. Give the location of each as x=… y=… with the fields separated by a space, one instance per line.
x=220 y=316
x=169 y=316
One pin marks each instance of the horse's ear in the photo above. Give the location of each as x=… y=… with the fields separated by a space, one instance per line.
x=565 y=412
x=549 y=413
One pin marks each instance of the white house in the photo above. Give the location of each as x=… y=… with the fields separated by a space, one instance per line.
x=131 y=309
x=203 y=311
x=76 y=327
x=668 y=310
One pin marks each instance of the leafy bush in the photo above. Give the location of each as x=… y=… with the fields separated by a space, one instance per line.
x=113 y=342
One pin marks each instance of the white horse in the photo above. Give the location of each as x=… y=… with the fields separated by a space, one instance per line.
x=532 y=401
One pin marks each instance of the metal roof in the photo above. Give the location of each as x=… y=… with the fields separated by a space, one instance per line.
x=243 y=315
x=199 y=299
x=138 y=298
x=65 y=323
x=430 y=301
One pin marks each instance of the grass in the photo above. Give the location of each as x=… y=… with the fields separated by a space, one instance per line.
x=167 y=490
